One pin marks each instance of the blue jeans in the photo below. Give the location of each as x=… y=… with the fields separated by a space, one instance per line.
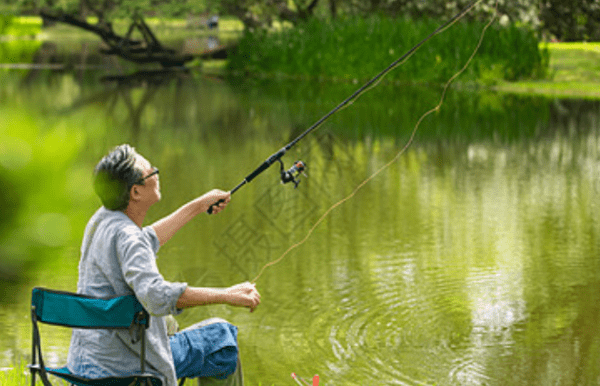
x=208 y=351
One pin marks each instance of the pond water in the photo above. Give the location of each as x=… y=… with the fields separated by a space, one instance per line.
x=472 y=260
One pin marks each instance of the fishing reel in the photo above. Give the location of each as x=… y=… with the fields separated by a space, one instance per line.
x=292 y=174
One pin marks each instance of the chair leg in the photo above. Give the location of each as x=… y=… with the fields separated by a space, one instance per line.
x=36 y=352
x=182 y=381
x=32 y=377
x=33 y=337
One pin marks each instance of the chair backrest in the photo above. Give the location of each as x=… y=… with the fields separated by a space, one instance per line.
x=81 y=311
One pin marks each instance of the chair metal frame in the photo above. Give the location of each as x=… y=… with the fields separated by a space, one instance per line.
x=140 y=321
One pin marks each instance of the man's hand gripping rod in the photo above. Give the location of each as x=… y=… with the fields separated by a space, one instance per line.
x=264 y=166
x=277 y=156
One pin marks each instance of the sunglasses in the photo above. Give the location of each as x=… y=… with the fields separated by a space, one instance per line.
x=141 y=180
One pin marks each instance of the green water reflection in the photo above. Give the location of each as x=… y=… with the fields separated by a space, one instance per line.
x=472 y=260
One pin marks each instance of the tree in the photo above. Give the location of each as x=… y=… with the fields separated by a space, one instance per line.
x=262 y=13
x=517 y=10
x=575 y=20
x=138 y=44
x=565 y=20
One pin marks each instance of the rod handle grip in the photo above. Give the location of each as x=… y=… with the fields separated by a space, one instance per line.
x=210 y=208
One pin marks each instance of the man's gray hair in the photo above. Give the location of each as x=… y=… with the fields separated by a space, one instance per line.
x=114 y=176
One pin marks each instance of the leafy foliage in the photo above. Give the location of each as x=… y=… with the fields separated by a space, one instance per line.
x=573 y=20
x=110 y=9
x=576 y=20
x=358 y=48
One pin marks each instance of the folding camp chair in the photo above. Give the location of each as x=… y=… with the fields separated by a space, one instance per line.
x=79 y=311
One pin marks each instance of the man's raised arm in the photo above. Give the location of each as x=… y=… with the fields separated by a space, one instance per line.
x=167 y=226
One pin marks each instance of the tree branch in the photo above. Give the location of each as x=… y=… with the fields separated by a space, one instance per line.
x=104 y=31
x=125 y=47
x=285 y=13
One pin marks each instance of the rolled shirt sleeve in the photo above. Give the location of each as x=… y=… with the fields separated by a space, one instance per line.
x=136 y=251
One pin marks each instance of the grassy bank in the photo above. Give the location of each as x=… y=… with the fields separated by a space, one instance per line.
x=574 y=71
x=360 y=48
x=17 y=376
x=510 y=59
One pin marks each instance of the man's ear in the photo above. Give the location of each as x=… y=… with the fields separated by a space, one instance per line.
x=134 y=193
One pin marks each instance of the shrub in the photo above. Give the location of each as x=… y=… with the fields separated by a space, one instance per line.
x=358 y=48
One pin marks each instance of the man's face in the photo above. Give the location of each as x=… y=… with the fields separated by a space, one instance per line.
x=150 y=191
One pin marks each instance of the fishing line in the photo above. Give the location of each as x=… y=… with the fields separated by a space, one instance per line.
x=367 y=86
x=410 y=140
x=400 y=61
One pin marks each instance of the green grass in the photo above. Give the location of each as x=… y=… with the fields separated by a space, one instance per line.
x=510 y=59
x=360 y=48
x=575 y=62
x=17 y=376
x=574 y=71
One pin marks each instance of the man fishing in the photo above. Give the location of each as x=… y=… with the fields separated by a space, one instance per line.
x=118 y=257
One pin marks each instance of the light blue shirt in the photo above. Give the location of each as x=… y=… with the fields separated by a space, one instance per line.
x=119 y=258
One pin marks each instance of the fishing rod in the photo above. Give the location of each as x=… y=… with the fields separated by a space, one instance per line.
x=299 y=166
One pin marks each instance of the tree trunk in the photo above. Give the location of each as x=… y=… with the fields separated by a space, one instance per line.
x=148 y=51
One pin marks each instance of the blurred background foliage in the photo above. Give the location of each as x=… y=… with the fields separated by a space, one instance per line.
x=18 y=45
x=16 y=26
x=554 y=19
x=41 y=189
